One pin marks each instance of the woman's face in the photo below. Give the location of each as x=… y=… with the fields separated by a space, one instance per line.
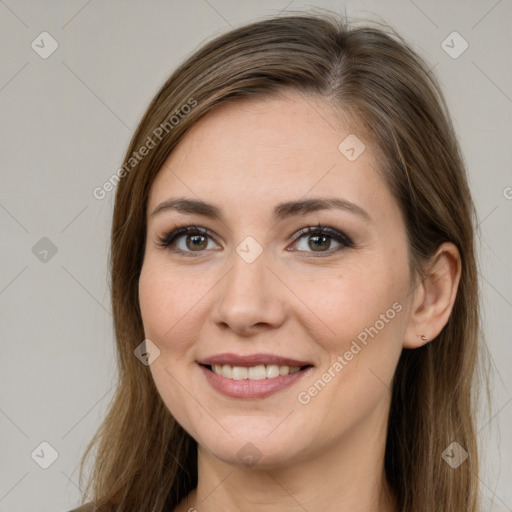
x=335 y=302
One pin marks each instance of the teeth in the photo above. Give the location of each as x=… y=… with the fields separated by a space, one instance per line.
x=239 y=373
x=226 y=370
x=259 y=372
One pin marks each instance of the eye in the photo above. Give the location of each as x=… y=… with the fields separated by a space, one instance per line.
x=320 y=238
x=195 y=240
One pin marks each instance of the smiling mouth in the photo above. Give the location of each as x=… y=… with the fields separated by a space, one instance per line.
x=258 y=372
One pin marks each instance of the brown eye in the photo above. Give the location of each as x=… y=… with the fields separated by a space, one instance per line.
x=196 y=242
x=195 y=239
x=318 y=242
x=320 y=239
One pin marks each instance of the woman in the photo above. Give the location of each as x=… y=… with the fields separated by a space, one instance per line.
x=294 y=284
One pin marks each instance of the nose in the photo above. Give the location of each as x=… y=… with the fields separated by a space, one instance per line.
x=251 y=298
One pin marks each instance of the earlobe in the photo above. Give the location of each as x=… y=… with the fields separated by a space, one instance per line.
x=435 y=297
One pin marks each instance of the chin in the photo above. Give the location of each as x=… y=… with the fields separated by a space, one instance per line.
x=254 y=454
x=252 y=446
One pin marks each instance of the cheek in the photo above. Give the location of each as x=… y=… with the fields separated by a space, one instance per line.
x=362 y=353
x=345 y=303
x=164 y=304
x=151 y=301
x=362 y=314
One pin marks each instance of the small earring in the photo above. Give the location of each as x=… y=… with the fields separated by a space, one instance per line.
x=422 y=336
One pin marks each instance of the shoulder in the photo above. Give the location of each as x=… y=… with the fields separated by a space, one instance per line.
x=90 y=507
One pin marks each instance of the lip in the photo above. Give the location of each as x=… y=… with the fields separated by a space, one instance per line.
x=247 y=388
x=252 y=360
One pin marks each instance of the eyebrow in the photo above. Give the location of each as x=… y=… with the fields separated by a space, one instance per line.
x=282 y=211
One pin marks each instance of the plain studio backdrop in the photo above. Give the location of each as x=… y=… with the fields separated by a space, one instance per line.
x=75 y=78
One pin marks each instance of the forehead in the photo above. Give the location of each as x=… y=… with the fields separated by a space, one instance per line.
x=259 y=152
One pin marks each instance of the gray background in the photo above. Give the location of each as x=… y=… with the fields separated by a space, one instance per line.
x=65 y=124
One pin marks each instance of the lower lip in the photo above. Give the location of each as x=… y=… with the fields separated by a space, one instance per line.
x=246 y=388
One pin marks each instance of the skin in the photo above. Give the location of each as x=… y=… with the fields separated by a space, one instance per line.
x=328 y=454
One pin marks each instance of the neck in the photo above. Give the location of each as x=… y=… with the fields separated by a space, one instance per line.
x=349 y=478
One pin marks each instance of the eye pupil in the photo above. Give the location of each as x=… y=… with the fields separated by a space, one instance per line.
x=196 y=242
x=315 y=245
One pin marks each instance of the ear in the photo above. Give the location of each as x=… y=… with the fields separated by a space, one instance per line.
x=434 y=297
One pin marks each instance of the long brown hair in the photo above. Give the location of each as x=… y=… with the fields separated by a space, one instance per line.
x=144 y=460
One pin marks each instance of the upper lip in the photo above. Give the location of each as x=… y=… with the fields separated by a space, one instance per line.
x=252 y=360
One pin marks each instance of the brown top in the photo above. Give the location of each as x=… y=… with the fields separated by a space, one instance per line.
x=89 y=507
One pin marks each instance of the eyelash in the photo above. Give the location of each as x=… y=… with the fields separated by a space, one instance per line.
x=167 y=240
